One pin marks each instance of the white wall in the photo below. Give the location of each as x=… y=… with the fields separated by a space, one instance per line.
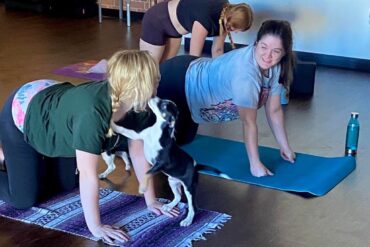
x=331 y=27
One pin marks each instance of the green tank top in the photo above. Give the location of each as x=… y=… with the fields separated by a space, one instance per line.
x=64 y=117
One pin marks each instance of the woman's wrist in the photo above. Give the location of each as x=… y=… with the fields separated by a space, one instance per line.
x=255 y=163
x=149 y=198
x=93 y=228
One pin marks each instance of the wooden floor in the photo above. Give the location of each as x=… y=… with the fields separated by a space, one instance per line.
x=31 y=46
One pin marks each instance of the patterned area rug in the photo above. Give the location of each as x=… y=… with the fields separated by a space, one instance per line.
x=64 y=213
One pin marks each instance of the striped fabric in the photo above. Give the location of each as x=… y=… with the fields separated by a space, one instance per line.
x=64 y=213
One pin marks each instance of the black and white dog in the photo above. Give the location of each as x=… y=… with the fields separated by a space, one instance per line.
x=115 y=146
x=162 y=152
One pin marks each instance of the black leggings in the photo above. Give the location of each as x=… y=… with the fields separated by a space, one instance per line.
x=172 y=87
x=30 y=177
x=156 y=26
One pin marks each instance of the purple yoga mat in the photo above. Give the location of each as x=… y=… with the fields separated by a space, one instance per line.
x=80 y=70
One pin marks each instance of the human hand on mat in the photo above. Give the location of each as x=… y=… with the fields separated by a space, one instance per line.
x=288 y=155
x=157 y=208
x=110 y=233
x=259 y=170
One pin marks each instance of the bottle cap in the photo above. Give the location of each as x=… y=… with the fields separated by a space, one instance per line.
x=354 y=114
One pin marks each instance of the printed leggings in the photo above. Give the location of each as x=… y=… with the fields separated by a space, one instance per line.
x=30 y=177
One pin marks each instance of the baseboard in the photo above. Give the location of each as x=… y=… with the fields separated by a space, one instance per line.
x=34 y=6
x=357 y=64
x=135 y=16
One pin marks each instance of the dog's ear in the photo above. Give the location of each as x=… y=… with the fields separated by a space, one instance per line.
x=172 y=127
x=172 y=108
x=172 y=121
x=174 y=112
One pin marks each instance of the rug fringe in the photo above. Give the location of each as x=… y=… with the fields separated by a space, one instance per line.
x=211 y=227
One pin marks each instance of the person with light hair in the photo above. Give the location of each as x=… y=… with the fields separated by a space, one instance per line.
x=48 y=129
x=164 y=24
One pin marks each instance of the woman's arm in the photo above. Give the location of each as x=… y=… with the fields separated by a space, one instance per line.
x=218 y=45
x=87 y=165
x=275 y=118
x=250 y=131
x=198 y=37
x=141 y=166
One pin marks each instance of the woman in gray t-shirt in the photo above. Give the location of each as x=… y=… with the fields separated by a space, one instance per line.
x=234 y=86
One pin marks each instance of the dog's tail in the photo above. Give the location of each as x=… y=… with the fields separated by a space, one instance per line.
x=211 y=169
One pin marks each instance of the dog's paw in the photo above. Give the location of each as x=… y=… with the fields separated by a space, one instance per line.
x=187 y=221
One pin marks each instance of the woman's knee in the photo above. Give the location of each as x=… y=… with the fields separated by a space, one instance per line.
x=23 y=202
x=70 y=183
x=62 y=173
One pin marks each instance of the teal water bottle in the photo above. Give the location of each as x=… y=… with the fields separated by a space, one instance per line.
x=353 y=131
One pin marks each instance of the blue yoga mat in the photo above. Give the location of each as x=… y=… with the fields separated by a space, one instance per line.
x=309 y=174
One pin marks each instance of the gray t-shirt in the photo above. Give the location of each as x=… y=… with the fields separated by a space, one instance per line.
x=215 y=87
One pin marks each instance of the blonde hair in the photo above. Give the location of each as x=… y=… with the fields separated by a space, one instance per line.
x=238 y=16
x=133 y=78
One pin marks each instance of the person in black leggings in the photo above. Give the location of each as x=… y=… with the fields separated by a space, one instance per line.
x=24 y=183
x=172 y=87
x=45 y=121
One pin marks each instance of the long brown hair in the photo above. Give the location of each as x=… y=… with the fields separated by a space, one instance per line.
x=282 y=30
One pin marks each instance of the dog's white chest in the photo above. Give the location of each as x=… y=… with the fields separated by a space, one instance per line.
x=151 y=150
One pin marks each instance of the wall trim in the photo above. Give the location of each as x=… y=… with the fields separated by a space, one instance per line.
x=357 y=64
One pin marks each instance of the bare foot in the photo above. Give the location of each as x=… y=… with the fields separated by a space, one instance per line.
x=260 y=171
